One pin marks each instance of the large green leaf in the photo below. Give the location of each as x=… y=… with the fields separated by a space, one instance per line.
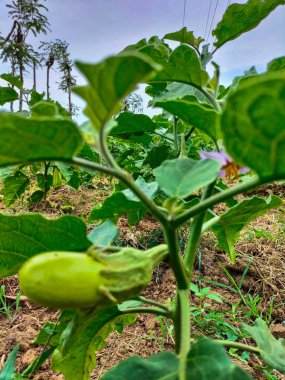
x=183 y=66
x=28 y=139
x=240 y=18
x=181 y=177
x=272 y=350
x=110 y=81
x=7 y=94
x=229 y=225
x=185 y=36
x=14 y=186
x=253 y=124
x=85 y=334
x=206 y=360
x=24 y=236
x=194 y=114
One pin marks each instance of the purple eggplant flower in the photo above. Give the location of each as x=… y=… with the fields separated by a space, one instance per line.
x=229 y=168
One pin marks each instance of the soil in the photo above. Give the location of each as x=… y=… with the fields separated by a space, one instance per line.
x=260 y=255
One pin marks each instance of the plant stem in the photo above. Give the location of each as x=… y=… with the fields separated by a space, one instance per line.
x=218 y=198
x=148 y=310
x=211 y=99
x=195 y=234
x=175 y=258
x=239 y=346
x=153 y=303
x=47 y=166
x=182 y=330
x=175 y=136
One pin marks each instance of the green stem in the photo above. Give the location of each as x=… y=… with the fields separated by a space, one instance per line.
x=175 y=136
x=153 y=303
x=175 y=258
x=195 y=234
x=239 y=346
x=182 y=327
x=148 y=310
x=47 y=166
x=211 y=99
x=218 y=198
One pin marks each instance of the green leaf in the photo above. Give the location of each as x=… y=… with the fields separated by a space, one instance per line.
x=36 y=97
x=13 y=80
x=37 y=362
x=157 y=155
x=206 y=360
x=36 y=196
x=14 y=186
x=183 y=66
x=24 y=236
x=229 y=225
x=30 y=139
x=149 y=189
x=44 y=109
x=272 y=350
x=193 y=113
x=129 y=122
x=50 y=333
x=175 y=91
x=8 y=372
x=253 y=124
x=85 y=334
x=111 y=81
x=125 y=202
x=240 y=18
x=181 y=177
x=184 y=36
x=104 y=234
x=7 y=94
x=116 y=205
x=276 y=64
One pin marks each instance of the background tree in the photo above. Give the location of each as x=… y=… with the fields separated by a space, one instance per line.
x=67 y=80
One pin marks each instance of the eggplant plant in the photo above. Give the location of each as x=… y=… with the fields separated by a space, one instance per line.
x=61 y=266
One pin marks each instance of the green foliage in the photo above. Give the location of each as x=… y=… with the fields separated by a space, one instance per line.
x=120 y=76
x=37 y=139
x=253 y=131
x=276 y=64
x=13 y=80
x=125 y=202
x=229 y=225
x=24 y=236
x=180 y=178
x=272 y=350
x=184 y=36
x=195 y=114
x=240 y=18
x=8 y=372
x=104 y=234
x=14 y=186
x=206 y=360
x=190 y=70
x=84 y=335
x=7 y=94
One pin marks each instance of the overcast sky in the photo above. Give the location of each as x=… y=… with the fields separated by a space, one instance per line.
x=98 y=28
